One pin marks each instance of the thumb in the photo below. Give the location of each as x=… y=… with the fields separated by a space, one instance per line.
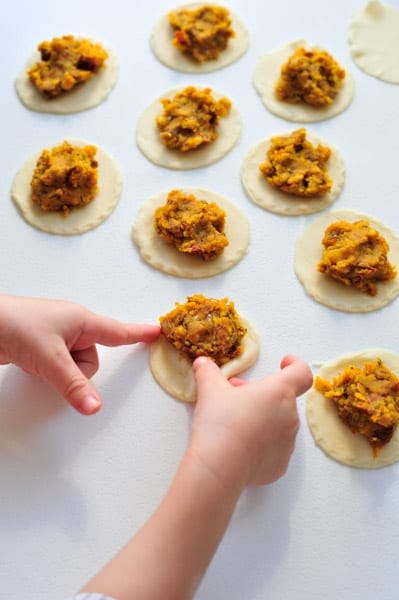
x=63 y=374
x=208 y=377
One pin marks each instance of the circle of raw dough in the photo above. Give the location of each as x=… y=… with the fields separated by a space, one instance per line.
x=374 y=40
x=173 y=372
x=265 y=77
x=327 y=291
x=169 y=55
x=151 y=145
x=81 y=219
x=165 y=257
x=83 y=97
x=330 y=432
x=276 y=201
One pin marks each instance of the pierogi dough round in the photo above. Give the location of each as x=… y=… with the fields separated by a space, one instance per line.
x=80 y=219
x=374 y=40
x=151 y=145
x=265 y=77
x=83 y=97
x=165 y=257
x=169 y=55
x=327 y=291
x=330 y=432
x=173 y=372
x=276 y=201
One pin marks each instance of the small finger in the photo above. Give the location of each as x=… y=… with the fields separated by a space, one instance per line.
x=296 y=373
x=237 y=382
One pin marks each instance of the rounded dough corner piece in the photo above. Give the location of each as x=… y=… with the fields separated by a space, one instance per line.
x=173 y=372
x=331 y=293
x=276 y=201
x=83 y=97
x=266 y=74
x=166 y=258
x=81 y=219
x=172 y=57
x=331 y=434
x=374 y=40
x=150 y=143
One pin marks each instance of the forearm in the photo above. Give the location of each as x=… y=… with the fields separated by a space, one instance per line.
x=169 y=555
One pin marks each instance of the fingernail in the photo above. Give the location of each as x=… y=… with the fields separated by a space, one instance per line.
x=91 y=405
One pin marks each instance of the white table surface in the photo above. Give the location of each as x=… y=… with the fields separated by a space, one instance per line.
x=73 y=489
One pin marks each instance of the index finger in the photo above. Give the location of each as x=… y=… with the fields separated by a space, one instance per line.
x=110 y=332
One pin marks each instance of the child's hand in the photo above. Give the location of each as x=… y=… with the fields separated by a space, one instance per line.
x=247 y=430
x=56 y=340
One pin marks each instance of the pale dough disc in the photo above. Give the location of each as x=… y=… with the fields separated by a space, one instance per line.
x=169 y=55
x=374 y=40
x=308 y=254
x=167 y=258
x=331 y=434
x=265 y=77
x=81 y=219
x=276 y=201
x=150 y=143
x=84 y=96
x=174 y=373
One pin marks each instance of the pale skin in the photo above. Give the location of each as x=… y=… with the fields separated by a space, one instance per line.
x=242 y=434
x=56 y=340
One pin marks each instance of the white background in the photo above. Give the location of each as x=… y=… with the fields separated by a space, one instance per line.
x=73 y=489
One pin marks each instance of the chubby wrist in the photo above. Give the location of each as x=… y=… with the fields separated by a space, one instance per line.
x=226 y=458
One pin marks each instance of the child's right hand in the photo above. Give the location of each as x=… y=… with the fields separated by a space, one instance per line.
x=246 y=431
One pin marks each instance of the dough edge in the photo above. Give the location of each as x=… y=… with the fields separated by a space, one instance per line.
x=272 y=199
x=82 y=219
x=150 y=144
x=168 y=259
x=308 y=252
x=266 y=74
x=174 y=373
x=331 y=434
x=173 y=58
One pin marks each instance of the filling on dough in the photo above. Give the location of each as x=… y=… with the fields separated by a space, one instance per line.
x=201 y=33
x=204 y=327
x=366 y=399
x=295 y=166
x=65 y=177
x=193 y=226
x=310 y=76
x=65 y=62
x=356 y=255
x=191 y=118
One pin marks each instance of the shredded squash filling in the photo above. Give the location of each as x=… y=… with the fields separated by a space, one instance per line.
x=356 y=254
x=310 y=76
x=191 y=118
x=66 y=62
x=193 y=226
x=295 y=166
x=201 y=33
x=65 y=178
x=204 y=327
x=366 y=399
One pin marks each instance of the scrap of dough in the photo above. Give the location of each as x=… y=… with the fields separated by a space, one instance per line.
x=265 y=77
x=173 y=372
x=327 y=291
x=84 y=96
x=80 y=219
x=165 y=257
x=276 y=201
x=151 y=145
x=169 y=55
x=330 y=432
x=374 y=40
